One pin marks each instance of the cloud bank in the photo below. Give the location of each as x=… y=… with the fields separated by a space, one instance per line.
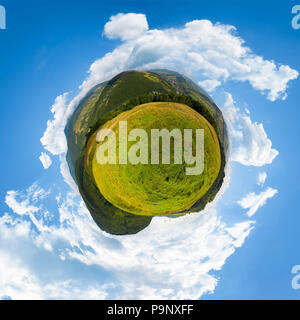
x=161 y=262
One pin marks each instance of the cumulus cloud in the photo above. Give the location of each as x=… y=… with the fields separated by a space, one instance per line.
x=162 y=262
x=261 y=178
x=254 y=201
x=209 y=85
x=15 y=280
x=45 y=160
x=126 y=26
x=20 y=281
x=54 y=139
x=255 y=148
x=199 y=49
x=250 y=143
x=261 y=76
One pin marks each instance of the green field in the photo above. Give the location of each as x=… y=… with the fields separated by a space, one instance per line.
x=156 y=189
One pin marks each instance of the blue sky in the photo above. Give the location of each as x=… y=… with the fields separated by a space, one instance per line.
x=47 y=50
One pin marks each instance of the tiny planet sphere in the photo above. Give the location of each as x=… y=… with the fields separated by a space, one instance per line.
x=146 y=144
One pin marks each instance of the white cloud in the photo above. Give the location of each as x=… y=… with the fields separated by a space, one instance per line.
x=250 y=143
x=28 y=205
x=261 y=178
x=209 y=85
x=54 y=139
x=254 y=201
x=19 y=207
x=255 y=147
x=15 y=280
x=171 y=259
x=45 y=160
x=265 y=75
x=18 y=282
x=126 y=26
x=199 y=49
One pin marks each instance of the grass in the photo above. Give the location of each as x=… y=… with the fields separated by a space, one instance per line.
x=156 y=189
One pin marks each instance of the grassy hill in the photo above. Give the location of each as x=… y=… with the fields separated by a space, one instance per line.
x=108 y=100
x=157 y=189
